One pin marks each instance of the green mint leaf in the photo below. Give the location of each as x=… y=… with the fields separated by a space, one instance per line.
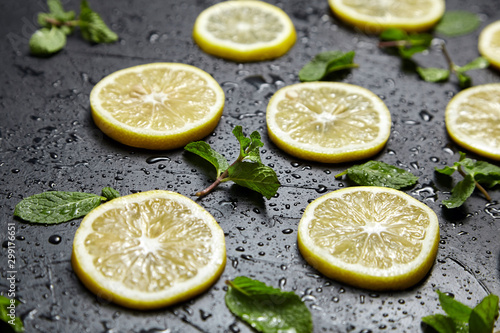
x=478 y=63
x=457 y=23
x=464 y=80
x=110 y=193
x=255 y=176
x=57 y=11
x=483 y=316
x=206 y=152
x=375 y=173
x=267 y=309
x=14 y=322
x=56 y=206
x=93 y=27
x=393 y=34
x=441 y=323
x=249 y=147
x=462 y=190
x=326 y=63
x=453 y=308
x=46 y=41
x=448 y=170
x=416 y=43
x=433 y=74
x=483 y=172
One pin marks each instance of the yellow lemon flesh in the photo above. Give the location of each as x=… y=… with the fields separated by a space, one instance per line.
x=370 y=237
x=157 y=106
x=374 y=16
x=472 y=119
x=328 y=122
x=149 y=250
x=489 y=43
x=244 y=31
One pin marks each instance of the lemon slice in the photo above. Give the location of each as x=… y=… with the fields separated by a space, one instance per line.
x=328 y=121
x=374 y=16
x=157 y=106
x=244 y=30
x=148 y=250
x=370 y=237
x=472 y=119
x=489 y=43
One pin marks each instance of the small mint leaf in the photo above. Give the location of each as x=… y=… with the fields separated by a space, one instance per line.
x=110 y=193
x=393 y=34
x=464 y=80
x=267 y=309
x=93 y=27
x=206 y=152
x=483 y=316
x=57 y=11
x=376 y=173
x=457 y=23
x=45 y=42
x=462 y=190
x=255 y=176
x=441 y=323
x=433 y=74
x=478 y=63
x=453 y=308
x=448 y=170
x=326 y=63
x=56 y=206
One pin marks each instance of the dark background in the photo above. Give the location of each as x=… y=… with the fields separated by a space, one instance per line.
x=48 y=141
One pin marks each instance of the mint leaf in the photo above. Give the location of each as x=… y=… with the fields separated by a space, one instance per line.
x=57 y=11
x=56 y=206
x=249 y=147
x=326 y=63
x=456 y=23
x=462 y=190
x=478 y=63
x=267 y=309
x=255 y=176
x=110 y=193
x=13 y=321
x=376 y=173
x=464 y=80
x=441 y=323
x=407 y=44
x=93 y=27
x=46 y=41
x=483 y=316
x=206 y=152
x=433 y=74
x=393 y=34
x=453 y=308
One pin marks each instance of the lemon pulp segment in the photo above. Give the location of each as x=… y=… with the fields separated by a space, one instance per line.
x=149 y=250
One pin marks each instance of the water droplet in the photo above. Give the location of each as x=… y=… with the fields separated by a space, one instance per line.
x=55 y=239
x=321 y=189
x=426 y=116
x=156 y=159
x=287 y=231
x=335 y=299
x=204 y=315
x=282 y=283
x=247 y=257
x=21 y=238
x=240 y=249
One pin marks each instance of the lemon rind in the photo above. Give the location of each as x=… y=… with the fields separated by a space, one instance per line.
x=245 y=53
x=484 y=43
x=149 y=138
x=113 y=291
x=328 y=155
x=357 y=275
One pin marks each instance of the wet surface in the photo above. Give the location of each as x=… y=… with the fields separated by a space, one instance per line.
x=48 y=141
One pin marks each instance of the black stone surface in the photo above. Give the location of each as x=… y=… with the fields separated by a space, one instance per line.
x=48 y=141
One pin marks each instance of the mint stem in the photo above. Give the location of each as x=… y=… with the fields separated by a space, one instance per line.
x=478 y=186
x=393 y=43
x=214 y=184
x=447 y=56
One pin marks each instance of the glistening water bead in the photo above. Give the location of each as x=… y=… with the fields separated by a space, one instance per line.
x=55 y=239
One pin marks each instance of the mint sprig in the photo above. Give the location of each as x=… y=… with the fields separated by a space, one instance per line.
x=476 y=174
x=460 y=318
x=376 y=173
x=457 y=23
x=267 y=309
x=247 y=170
x=326 y=63
x=15 y=322
x=58 y=23
x=60 y=206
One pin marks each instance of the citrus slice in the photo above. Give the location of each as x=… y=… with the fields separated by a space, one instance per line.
x=244 y=30
x=328 y=122
x=472 y=119
x=374 y=16
x=148 y=250
x=489 y=43
x=157 y=106
x=370 y=237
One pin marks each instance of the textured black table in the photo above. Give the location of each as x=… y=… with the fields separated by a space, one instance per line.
x=49 y=142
